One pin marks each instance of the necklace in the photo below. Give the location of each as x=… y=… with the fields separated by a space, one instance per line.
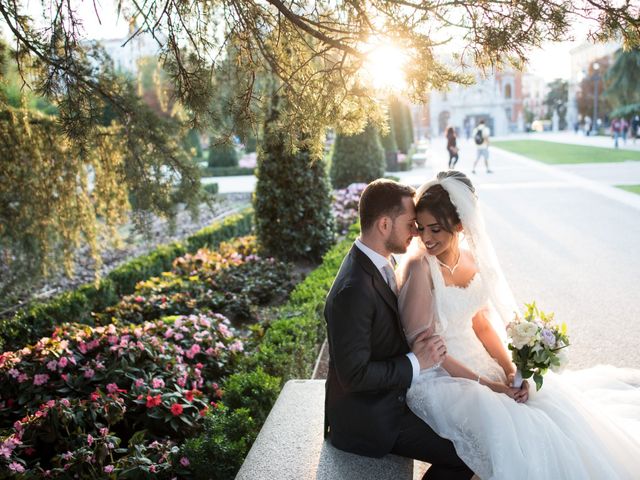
x=451 y=269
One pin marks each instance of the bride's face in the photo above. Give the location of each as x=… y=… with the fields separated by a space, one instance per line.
x=435 y=238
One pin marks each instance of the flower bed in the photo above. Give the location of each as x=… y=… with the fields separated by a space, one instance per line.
x=234 y=281
x=143 y=382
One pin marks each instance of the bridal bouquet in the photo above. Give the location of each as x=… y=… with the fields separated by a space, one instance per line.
x=536 y=343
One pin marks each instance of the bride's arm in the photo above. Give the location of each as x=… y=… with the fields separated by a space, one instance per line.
x=457 y=369
x=492 y=342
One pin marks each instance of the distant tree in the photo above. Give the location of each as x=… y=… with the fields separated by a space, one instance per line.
x=402 y=127
x=222 y=153
x=623 y=83
x=357 y=158
x=585 y=95
x=388 y=141
x=556 y=100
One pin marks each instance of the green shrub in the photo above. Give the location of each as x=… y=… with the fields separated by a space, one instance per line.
x=401 y=118
x=256 y=391
x=292 y=200
x=210 y=188
x=357 y=158
x=222 y=154
x=218 y=453
x=227 y=171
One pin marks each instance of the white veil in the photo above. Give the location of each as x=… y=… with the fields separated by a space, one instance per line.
x=480 y=246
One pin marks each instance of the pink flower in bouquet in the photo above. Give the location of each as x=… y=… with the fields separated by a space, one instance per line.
x=193 y=351
x=139 y=382
x=52 y=365
x=23 y=377
x=14 y=372
x=108 y=468
x=89 y=440
x=89 y=373
x=112 y=387
x=63 y=362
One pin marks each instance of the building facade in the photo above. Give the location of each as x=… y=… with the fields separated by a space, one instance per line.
x=497 y=99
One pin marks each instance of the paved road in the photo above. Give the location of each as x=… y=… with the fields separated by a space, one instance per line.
x=566 y=239
x=567 y=242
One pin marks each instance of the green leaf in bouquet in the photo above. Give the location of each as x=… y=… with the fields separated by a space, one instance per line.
x=537 y=378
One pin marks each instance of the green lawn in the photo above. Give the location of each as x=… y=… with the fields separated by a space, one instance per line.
x=554 y=153
x=630 y=188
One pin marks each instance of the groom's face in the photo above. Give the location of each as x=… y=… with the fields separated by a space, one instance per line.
x=403 y=228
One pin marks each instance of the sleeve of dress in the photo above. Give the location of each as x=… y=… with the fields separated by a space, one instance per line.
x=415 y=302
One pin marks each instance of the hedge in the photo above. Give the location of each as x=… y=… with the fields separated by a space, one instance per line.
x=226 y=171
x=38 y=320
x=288 y=349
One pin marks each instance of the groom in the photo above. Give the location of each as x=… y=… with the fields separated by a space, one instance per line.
x=371 y=363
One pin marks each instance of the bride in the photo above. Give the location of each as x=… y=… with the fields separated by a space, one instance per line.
x=501 y=432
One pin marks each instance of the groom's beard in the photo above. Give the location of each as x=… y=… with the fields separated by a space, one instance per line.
x=396 y=245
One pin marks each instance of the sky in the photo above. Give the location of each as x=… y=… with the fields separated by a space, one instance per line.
x=550 y=62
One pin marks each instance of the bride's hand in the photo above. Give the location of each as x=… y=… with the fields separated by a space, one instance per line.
x=523 y=392
x=500 y=387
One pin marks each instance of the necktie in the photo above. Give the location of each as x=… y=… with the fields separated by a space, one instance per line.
x=391 y=278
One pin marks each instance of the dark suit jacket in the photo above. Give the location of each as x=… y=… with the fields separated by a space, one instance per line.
x=369 y=372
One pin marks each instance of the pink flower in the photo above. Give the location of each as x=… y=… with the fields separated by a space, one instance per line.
x=15 y=373
x=178 y=336
x=176 y=409
x=65 y=402
x=52 y=365
x=89 y=373
x=16 y=467
x=67 y=456
x=23 y=377
x=62 y=362
x=153 y=469
x=108 y=469
x=157 y=383
x=224 y=330
x=184 y=461
x=5 y=451
x=139 y=382
x=64 y=376
x=104 y=431
x=139 y=299
x=193 y=351
x=112 y=387
x=236 y=346
x=89 y=440
x=182 y=381
x=40 y=379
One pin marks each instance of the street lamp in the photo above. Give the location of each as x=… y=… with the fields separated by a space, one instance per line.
x=596 y=77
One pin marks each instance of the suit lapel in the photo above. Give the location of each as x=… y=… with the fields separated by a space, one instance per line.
x=378 y=282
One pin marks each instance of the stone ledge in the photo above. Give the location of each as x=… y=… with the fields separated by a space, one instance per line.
x=291 y=446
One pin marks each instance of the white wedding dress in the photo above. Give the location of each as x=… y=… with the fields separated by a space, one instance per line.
x=581 y=425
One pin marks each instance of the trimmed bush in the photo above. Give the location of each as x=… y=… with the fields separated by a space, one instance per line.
x=39 y=320
x=401 y=118
x=210 y=188
x=357 y=158
x=292 y=201
x=227 y=171
x=222 y=154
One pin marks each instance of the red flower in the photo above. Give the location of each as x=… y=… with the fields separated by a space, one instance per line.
x=95 y=396
x=204 y=411
x=176 y=409
x=190 y=394
x=153 y=401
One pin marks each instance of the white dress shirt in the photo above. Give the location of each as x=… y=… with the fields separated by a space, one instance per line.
x=380 y=262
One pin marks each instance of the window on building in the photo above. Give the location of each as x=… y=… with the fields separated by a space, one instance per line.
x=507 y=91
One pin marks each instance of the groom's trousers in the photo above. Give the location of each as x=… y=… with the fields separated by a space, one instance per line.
x=417 y=440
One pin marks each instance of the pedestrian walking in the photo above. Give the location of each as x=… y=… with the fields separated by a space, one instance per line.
x=481 y=138
x=635 y=127
x=452 y=147
x=616 y=126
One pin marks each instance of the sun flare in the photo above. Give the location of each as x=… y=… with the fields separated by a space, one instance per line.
x=384 y=67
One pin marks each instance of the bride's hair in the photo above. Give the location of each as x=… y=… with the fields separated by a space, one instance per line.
x=436 y=200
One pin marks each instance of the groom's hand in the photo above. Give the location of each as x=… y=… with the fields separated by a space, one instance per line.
x=429 y=349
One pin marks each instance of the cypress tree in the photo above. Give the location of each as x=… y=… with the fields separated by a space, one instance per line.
x=390 y=146
x=357 y=158
x=292 y=201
